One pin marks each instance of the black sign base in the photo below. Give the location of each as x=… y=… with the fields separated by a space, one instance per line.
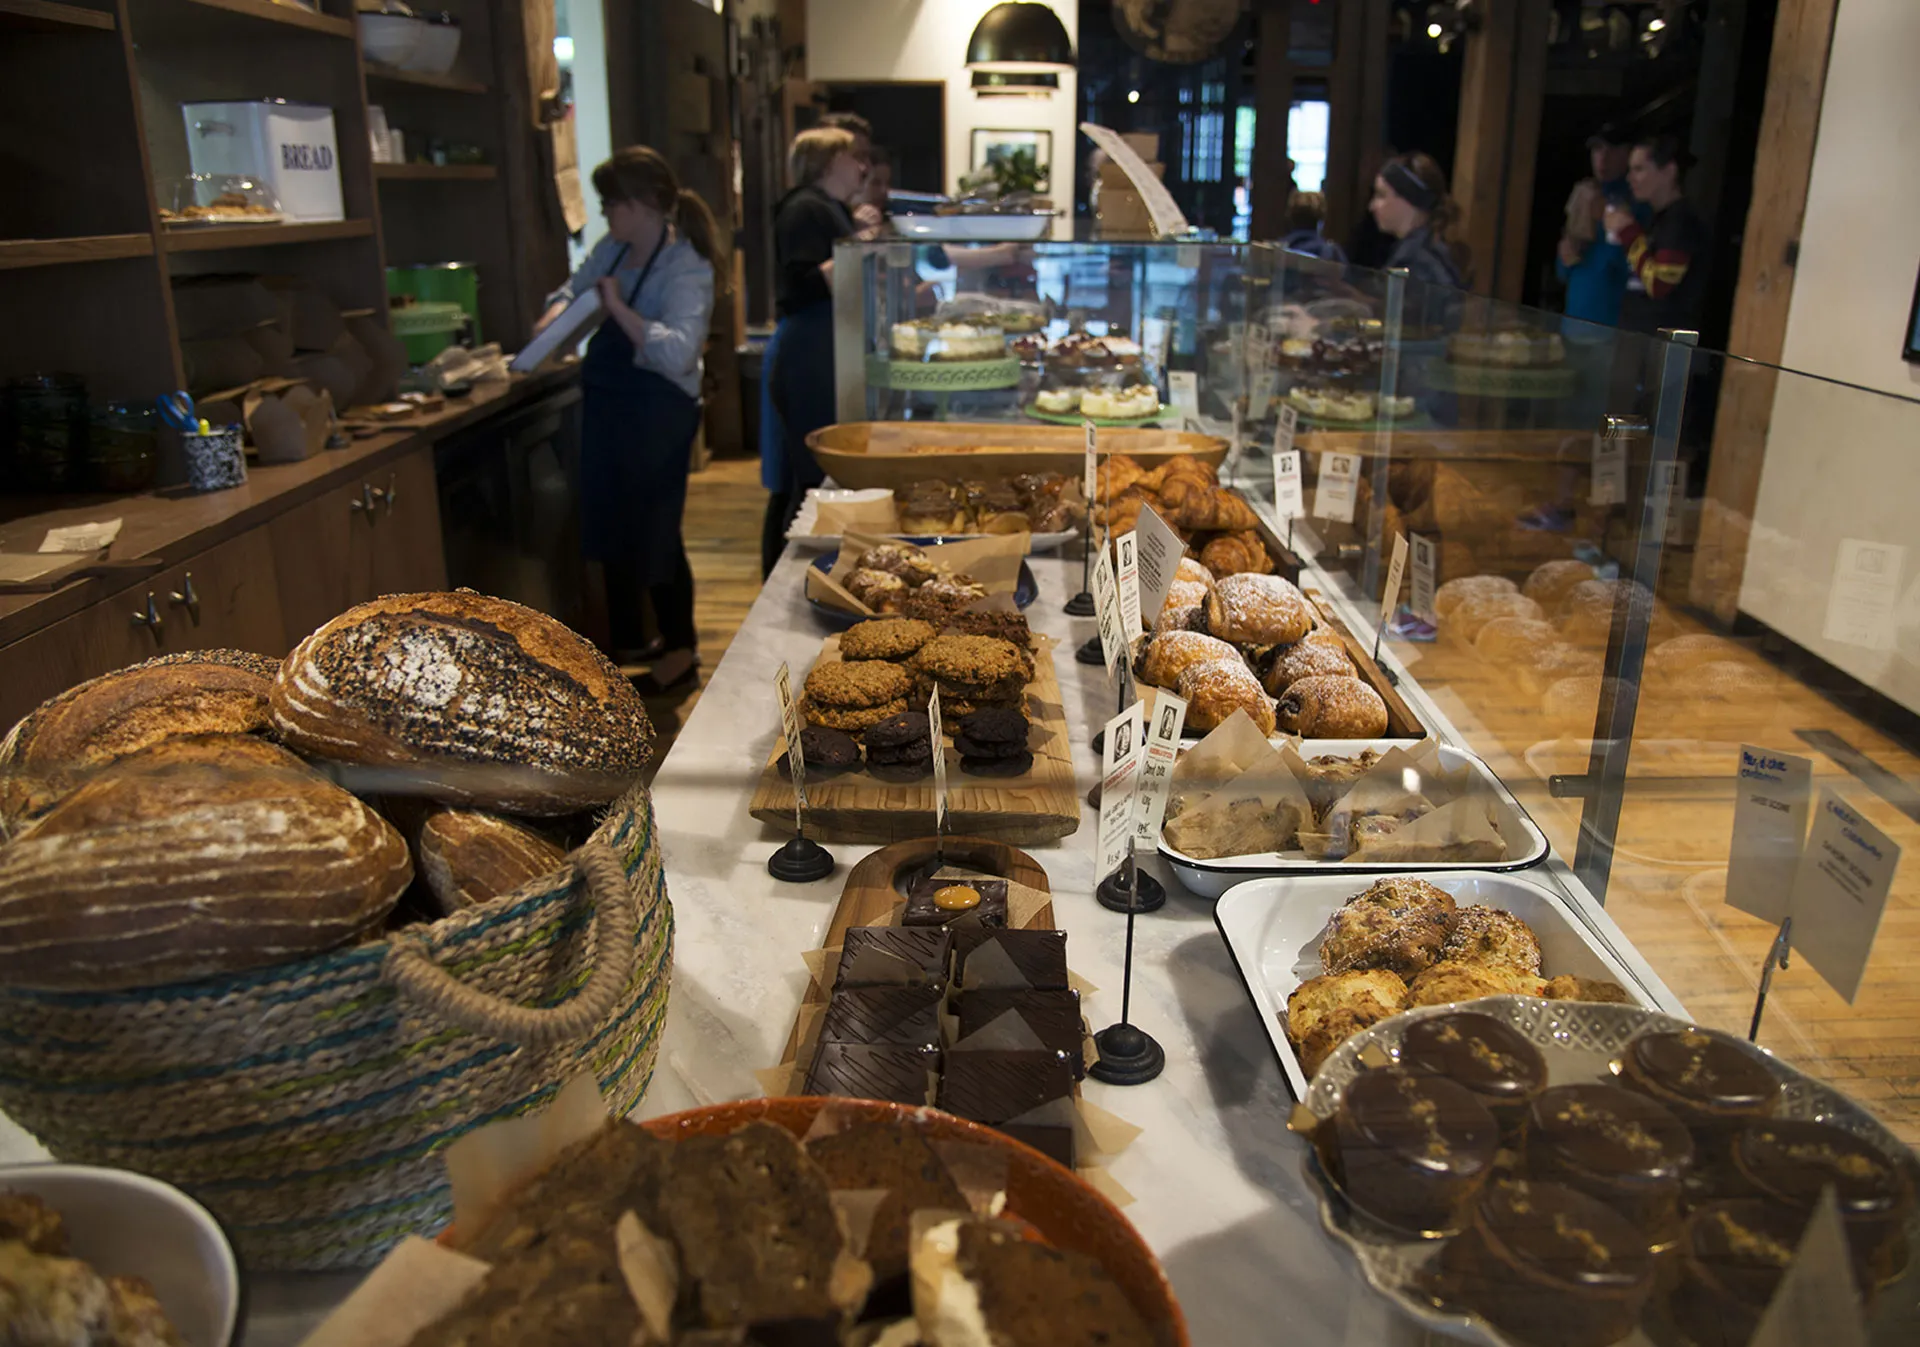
x=1128 y=1056
x=1091 y=652
x=800 y=861
x=1112 y=892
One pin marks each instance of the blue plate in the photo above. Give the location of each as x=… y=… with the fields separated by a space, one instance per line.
x=1025 y=590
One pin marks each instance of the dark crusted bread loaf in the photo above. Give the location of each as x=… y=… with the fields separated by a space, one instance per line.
x=193 y=857
x=583 y=1192
x=494 y=704
x=898 y=1160
x=989 y=1277
x=87 y=726
x=467 y=857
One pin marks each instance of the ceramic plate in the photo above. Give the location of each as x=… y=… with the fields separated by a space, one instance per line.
x=1578 y=1040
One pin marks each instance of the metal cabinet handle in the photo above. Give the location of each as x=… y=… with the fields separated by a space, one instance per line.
x=187 y=598
x=393 y=490
x=150 y=619
x=369 y=497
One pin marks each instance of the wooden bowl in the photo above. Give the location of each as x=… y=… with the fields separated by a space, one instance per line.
x=1044 y=1194
x=894 y=454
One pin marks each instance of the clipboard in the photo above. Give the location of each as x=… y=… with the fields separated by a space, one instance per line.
x=561 y=333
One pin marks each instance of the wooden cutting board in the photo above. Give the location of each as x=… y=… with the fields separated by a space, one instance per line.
x=874 y=889
x=1041 y=806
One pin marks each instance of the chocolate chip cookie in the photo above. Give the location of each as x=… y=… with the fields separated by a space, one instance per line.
x=828 y=753
x=888 y=638
x=900 y=748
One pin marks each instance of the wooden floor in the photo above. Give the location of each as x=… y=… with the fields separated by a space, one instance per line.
x=1668 y=888
x=725 y=504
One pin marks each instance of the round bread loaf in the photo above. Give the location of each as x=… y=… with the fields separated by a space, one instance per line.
x=1571 y=704
x=105 y=718
x=194 y=857
x=1683 y=654
x=1257 y=610
x=1470 y=617
x=1552 y=581
x=1332 y=708
x=1586 y=616
x=1456 y=592
x=467 y=857
x=1515 y=639
x=493 y=704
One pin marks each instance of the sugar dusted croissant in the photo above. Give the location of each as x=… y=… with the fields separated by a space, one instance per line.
x=1168 y=655
x=1216 y=688
x=1332 y=707
x=1258 y=610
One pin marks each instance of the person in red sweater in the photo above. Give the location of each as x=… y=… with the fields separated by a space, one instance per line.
x=1666 y=258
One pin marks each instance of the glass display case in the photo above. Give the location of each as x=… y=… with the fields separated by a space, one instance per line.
x=1634 y=569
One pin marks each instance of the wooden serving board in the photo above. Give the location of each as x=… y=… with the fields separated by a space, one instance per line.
x=871 y=896
x=1401 y=721
x=1041 y=806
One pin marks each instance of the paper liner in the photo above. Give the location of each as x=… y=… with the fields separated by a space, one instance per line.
x=1106 y=1134
x=1080 y=984
x=651 y=1269
x=1229 y=749
x=781 y=1082
x=856 y=516
x=855 y=1209
x=823 y=966
x=834 y=594
x=1007 y=1032
x=1103 y=1183
x=1461 y=831
x=489 y=1162
x=415 y=1285
x=979 y=1171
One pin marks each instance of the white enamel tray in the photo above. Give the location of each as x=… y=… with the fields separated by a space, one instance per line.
x=1274 y=927
x=1526 y=845
x=1578 y=1041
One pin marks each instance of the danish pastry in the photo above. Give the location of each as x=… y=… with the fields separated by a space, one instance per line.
x=1169 y=653
x=1258 y=610
x=1216 y=688
x=1318 y=654
x=1323 y=707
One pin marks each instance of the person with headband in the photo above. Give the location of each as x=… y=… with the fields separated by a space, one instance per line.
x=1666 y=257
x=655 y=271
x=1410 y=202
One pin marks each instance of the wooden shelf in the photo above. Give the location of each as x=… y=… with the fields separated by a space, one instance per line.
x=452 y=83
x=214 y=238
x=44 y=16
x=268 y=12
x=56 y=252
x=435 y=172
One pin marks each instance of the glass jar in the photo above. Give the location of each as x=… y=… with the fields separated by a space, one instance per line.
x=46 y=420
x=122 y=447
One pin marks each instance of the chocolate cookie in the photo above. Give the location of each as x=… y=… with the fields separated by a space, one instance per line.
x=900 y=773
x=828 y=752
x=905 y=728
x=856 y=686
x=888 y=638
x=906 y=755
x=1018 y=765
x=996 y=725
x=969 y=747
x=1005 y=626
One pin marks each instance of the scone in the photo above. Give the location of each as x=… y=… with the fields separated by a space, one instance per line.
x=1566 y=987
x=1399 y=924
x=1488 y=935
x=1324 y=1012
x=1216 y=688
x=1446 y=982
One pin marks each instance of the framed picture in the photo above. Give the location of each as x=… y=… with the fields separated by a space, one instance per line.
x=1024 y=156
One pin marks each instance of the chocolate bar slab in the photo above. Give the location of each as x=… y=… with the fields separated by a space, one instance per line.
x=893 y=956
x=863 y=1071
x=1000 y=1088
x=904 y=1017
x=1039 y=960
x=1053 y=1016
x=937 y=902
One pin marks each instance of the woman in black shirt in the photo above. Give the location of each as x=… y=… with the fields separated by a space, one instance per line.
x=1410 y=202
x=798 y=388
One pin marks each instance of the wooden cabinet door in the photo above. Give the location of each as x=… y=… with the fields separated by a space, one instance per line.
x=408 y=556
x=223 y=598
x=323 y=557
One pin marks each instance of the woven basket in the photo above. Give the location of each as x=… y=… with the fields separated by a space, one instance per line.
x=305 y=1104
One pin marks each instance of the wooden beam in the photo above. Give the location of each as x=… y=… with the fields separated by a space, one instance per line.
x=1481 y=149
x=1523 y=150
x=1272 y=100
x=1357 y=104
x=1783 y=169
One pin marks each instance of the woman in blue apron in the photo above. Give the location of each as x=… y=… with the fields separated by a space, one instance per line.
x=655 y=271
x=797 y=389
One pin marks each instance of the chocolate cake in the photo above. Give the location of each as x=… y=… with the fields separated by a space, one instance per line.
x=936 y=902
x=898 y=1159
x=1788 y=1163
x=906 y=1017
x=1038 y=959
x=1052 y=1016
x=1410 y=1148
x=756 y=1229
x=870 y=1071
x=998 y=1088
x=1732 y=1257
x=985 y=1281
x=1549 y=1265
x=1488 y=1056
x=893 y=956
x=1709 y=1084
x=1615 y=1145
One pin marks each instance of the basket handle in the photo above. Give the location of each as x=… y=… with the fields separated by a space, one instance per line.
x=415 y=975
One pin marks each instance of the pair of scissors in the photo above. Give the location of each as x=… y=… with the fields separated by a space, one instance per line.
x=177 y=411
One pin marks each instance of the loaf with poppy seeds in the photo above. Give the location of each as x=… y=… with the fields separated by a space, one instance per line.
x=198 y=856
x=57 y=744
x=484 y=702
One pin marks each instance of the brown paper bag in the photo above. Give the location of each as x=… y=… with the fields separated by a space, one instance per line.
x=878 y=515
x=287 y=419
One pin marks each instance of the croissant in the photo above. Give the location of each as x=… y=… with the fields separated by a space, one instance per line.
x=1236 y=554
x=1168 y=654
x=1197 y=505
x=1183 y=596
x=1188 y=466
x=1216 y=688
x=1332 y=707
x=1258 y=610
x=1118 y=473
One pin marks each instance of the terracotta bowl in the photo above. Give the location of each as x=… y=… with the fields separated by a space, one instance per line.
x=1044 y=1194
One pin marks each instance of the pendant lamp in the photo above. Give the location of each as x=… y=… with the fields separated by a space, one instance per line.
x=1020 y=38
x=998 y=84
